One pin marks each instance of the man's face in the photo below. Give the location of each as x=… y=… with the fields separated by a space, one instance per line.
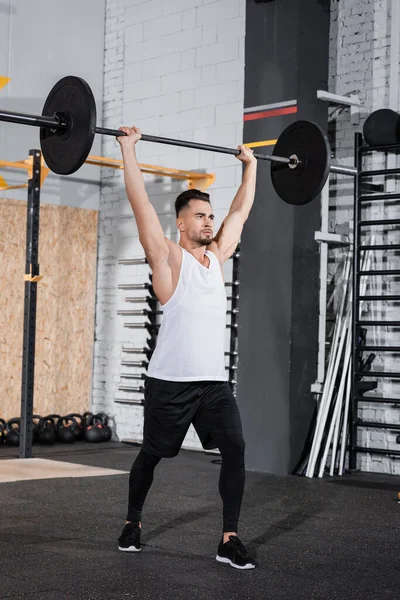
x=196 y=221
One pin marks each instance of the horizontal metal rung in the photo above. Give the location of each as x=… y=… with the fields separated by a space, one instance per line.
x=155 y=326
x=134 y=286
x=378 y=425
x=385 y=148
x=378 y=348
x=378 y=451
x=387 y=298
x=379 y=247
x=129 y=401
x=141 y=299
x=380 y=323
x=137 y=350
x=134 y=363
x=133 y=261
x=377 y=400
x=148 y=286
x=376 y=272
x=379 y=222
x=379 y=172
x=369 y=198
x=131 y=388
x=378 y=374
x=139 y=312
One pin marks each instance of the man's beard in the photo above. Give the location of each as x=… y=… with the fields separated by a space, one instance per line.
x=202 y=241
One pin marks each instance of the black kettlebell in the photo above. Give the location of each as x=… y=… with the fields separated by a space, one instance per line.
x=66 y=433
x=12 y=427
x=94 y=431
x=107 y=429
x=2 y=430
x=86 y=417
x=54 y=418
x=79 y=429
x=47 y=434
x=35 y=428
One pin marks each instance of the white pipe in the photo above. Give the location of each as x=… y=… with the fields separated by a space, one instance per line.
x=345 y=428
x=332 y=360
x=343 y=380
x=339 y=398
x=335 y=358
x=344 y=435
x=323 y=414
x=327 y=397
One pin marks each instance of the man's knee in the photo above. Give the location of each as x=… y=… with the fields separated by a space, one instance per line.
x=232 y=447
x=145 y=461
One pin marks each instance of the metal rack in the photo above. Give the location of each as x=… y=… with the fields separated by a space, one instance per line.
x=359 y=325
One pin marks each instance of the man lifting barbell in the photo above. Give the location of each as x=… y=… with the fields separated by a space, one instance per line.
x=300 y=165
x=186 y=378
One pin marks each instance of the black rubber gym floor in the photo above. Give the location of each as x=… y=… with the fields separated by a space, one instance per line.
x=313 y=539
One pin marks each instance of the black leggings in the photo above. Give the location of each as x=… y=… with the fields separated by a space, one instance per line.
x=231 y=480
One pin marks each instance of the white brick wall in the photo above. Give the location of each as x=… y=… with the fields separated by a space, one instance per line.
x=359 y=63
x=175 y=69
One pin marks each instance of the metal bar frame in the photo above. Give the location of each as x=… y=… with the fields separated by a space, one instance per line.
x=355 y=306
x=31 y=278
x=233 y=345
x=357 y=321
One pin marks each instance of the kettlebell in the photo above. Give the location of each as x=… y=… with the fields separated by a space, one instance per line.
x=94 y=431
x=86 y=416
x=2 y=430
x=35 y=428
x=79 y=429
x=66 y=433
x=12 y=427
x=47 y=434
x=54 y=418
x=107 y=429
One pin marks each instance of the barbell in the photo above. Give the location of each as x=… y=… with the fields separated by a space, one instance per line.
x=300 y=162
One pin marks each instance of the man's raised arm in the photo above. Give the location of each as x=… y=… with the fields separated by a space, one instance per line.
x=230 y=231
x=151 y=234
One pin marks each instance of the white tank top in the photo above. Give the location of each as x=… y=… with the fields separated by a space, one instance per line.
x=191 y=339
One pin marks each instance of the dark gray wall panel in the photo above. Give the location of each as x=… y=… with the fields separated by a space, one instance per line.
x=286 y=56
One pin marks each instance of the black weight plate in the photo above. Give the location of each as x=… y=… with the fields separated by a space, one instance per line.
x=382 y=128
x=310 y=144
x=66 y=151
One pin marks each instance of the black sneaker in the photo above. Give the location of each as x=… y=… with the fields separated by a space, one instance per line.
x=235 y=554
x=129 y=540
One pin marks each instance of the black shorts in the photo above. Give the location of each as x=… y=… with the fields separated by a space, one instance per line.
x=171 y=406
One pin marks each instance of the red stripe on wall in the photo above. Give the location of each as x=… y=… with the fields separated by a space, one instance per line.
x=270 y=113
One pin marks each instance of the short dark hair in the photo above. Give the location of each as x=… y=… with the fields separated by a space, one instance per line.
x=185 y=197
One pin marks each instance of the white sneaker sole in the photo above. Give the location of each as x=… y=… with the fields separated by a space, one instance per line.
x=130 y=549
x=227 y=561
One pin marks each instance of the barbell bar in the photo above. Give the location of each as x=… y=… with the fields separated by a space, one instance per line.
x=300 y=163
